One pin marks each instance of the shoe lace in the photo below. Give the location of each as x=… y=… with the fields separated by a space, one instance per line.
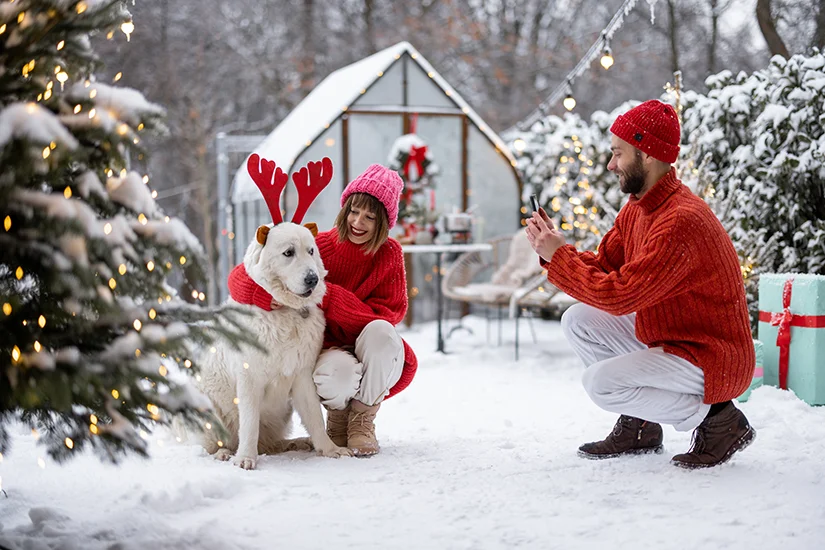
x=621 y=423
x=698 y=440
x=361 y=422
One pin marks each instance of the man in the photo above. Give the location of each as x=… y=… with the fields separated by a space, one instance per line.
x=663 y=325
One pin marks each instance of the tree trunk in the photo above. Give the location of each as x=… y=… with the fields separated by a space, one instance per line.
x=714 y=35
x=369 y=26
x=819 y=38
x=674 y=36
x=768 y=28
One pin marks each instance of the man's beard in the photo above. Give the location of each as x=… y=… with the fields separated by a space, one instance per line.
x=634 y=177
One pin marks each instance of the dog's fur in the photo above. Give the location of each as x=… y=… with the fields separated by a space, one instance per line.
x=289 y=267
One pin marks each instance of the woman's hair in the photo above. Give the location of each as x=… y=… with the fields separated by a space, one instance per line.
x=382 y=224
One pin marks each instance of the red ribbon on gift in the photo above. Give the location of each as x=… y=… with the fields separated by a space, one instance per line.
x=785 y=320
x=417 y=155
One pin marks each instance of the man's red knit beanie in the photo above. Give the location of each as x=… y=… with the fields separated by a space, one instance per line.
x=652 y=128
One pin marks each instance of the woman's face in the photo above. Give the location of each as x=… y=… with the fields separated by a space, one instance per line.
x=360 y=225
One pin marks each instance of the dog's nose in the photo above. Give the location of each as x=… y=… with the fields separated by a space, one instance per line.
x=311 y=279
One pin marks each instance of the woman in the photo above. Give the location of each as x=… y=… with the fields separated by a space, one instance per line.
x=364 y=361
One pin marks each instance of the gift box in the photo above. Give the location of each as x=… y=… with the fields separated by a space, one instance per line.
x=757 y=371
x=792 y=329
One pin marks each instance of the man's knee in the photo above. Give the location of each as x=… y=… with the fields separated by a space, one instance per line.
x=337 y=378
x=597 y=382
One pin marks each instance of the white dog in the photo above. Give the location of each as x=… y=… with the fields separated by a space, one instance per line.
x=254 y=392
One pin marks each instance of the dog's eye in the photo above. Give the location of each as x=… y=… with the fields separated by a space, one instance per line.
x=289 y=252
x=311 y=251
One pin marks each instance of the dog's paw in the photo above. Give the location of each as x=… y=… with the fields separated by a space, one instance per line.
x=223 y=455
x=334 y=451
x=245 y=462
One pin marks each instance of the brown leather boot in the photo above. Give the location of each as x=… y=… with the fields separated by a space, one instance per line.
x=630 y=436
x=716 y=439
x=337 y=421
x=361 y=429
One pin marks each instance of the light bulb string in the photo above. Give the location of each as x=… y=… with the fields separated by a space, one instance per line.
x=561 y=90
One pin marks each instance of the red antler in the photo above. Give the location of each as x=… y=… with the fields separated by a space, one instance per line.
x=261 y=171
x=319 y=175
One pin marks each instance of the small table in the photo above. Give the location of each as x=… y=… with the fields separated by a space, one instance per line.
x=438 y=250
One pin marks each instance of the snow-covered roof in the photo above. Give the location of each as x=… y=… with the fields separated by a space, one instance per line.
x=330 y=99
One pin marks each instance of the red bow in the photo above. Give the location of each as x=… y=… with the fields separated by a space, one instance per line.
x=785 y=320
x=417 y=155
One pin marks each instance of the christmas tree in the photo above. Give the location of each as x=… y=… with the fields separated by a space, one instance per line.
x=563 y=160
x=93 y=340
x=756 y=147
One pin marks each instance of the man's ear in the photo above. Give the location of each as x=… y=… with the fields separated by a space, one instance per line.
x=261 y=234
x=313 y=228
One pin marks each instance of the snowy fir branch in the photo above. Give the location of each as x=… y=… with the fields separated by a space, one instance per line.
x=96 y=345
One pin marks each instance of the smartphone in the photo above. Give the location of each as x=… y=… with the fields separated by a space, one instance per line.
x=534 y=202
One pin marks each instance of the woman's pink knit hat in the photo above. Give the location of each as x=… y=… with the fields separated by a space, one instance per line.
x=383 y=184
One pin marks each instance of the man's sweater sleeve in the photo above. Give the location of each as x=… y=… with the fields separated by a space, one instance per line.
x=652 y=276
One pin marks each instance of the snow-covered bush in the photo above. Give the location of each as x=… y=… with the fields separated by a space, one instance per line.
x=756 y=146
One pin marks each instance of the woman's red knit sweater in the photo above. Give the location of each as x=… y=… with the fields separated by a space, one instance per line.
x=669 y=260
x=360 y=288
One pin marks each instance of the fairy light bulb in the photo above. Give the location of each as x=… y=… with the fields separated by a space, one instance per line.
x=607 y=60
x=569 y=102
x=69 y=443
x=107 y=228
x=60 y=45
x=122 y=269
x=41 y=321
x=7 y=223
x=137 y=324
x=150 y=265
x=519 y=145
x=128 y=28
x=62 y=77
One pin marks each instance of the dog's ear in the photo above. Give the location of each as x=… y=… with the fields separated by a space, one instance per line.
x=261 y=234
x=313 y=228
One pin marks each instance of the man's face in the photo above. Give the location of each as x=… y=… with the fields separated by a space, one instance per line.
x=627 y=164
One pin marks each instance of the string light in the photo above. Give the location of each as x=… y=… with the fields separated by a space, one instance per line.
x=187 y=364
x=107 y=228
x=182 y=260
x=62 y=77
x=67 y=193
x=115 y=394
x=81 y=7
x=41 y=321
x=162 y=370
x=15 y=354
x=600 y=46
x=94 y=429
x=137 y=324
x=19 y=273
x=69 y=443
x=60 y=45
x=236 y=401
x=2 y=28
x=7 y=223
x=150 y=265
x=152 y=314
x=118 y=76
x=37 y=346
x=246 y=365
x=7 y=309
x=112 y=283
x=142 y=219
x=122 y=269
x=46 y=152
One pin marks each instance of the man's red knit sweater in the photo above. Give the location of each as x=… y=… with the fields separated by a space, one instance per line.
x=668 y=259
x=360 y=288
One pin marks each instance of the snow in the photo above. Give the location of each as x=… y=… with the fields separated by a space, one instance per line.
x=328 y=101
x=479 y=452
x=131 y=192
x=125 y=104
x=32 y=122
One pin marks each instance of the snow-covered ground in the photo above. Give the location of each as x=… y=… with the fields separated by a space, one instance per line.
x=480 y=452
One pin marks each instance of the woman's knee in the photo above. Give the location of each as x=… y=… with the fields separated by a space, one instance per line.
x=379 y=339
x=576 y=317
x=337 y=377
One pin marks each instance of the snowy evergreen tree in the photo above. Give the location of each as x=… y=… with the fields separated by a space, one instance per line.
x=563 y=160
x=91 y=334
x=756 y=151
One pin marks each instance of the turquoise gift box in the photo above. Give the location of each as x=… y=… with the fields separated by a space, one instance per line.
x=758 y=372
x=792 y=329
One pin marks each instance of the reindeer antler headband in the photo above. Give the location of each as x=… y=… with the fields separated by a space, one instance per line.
x=271 y=180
